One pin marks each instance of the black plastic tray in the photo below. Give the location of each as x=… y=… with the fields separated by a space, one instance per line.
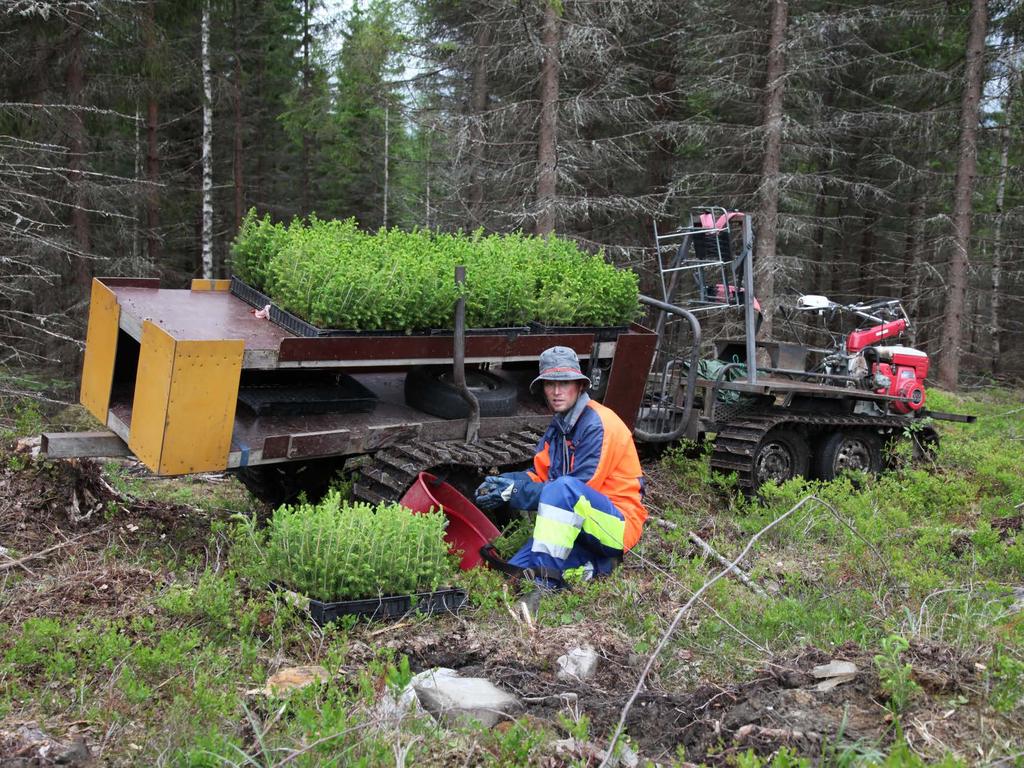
x=387 y=607
x=601 y=332
x=299 y=327
x=281 y=393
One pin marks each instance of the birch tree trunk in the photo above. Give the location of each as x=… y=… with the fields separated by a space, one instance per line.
x=138 y=262
x=997 y=245
x=963 y=187
x=387 y=159
x=237 y=143
x=477 y=107
x=207 y=236
x=75 y=85
x=152 y=148
x=547 y=148
x=768 y=204
x=307 y=81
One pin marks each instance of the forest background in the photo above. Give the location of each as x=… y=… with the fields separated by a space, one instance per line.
x=877 y=143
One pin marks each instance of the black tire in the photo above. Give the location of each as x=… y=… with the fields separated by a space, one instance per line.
x=857 y=450
x=277 y=484
x=429 y=388
x=780 y=456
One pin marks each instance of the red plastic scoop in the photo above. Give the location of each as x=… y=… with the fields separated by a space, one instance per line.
x=468 y=527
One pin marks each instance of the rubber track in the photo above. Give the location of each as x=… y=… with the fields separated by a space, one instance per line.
x=736 y=443
x=389 y=473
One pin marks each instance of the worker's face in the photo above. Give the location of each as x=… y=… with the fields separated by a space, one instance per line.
x=562 y=395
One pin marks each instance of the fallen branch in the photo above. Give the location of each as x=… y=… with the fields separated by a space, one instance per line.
x=738 y=573
x=679 y=616
x=753 y=731
x=735 y=571
x=25 y=568
x=43 y=552
x=705 y=603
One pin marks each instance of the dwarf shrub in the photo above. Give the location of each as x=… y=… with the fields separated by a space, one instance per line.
x=335 y=275
x=337 y=550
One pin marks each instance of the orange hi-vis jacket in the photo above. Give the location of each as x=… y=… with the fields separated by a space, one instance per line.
x=592 y=444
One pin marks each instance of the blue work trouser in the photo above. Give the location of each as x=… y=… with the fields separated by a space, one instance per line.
x=575 y=526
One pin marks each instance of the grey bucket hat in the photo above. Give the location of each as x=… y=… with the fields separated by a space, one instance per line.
x=559 y=364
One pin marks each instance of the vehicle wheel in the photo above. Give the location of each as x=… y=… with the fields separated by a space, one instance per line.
x=855 y=450
x=780 y=456
x=429 y=388
x=277 y=484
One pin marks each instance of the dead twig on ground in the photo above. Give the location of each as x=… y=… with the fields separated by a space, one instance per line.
x=735 y=571
x=14 y=562
x=682 y=612
x=44 y=552
x=678 y=583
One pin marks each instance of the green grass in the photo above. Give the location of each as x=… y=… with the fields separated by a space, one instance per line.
x=919 y=558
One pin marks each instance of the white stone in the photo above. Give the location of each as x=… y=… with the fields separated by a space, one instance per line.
x=578 y=664
x=449 y=697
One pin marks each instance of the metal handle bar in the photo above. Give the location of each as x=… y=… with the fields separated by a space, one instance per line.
x=691 y=374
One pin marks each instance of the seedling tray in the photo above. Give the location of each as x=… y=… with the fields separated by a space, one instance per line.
x=299 y=327
x=601 y=332
x=279 y=393
x=389 y=607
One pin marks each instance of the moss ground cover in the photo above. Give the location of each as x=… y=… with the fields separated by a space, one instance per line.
x=148 y=635
x=335 y=275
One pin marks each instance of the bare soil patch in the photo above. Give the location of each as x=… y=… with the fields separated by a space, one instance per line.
x=715 y=720
x=58 y=521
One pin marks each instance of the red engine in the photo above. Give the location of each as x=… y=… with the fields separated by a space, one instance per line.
x=906 y=369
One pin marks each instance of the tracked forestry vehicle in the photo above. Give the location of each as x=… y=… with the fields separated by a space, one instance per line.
x=217 y=378
x=778 y=410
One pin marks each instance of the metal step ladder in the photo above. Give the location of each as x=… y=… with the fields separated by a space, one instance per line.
x=715 y=248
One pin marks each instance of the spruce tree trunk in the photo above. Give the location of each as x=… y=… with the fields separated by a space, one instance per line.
x=152 y=148
x=963 y=186
x=75 y=85
x=547 y=147
x=477 y=107
x=768 y=203
x=207 y=234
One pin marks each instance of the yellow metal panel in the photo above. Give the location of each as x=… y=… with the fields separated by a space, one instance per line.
x=201 y=407
x=152 y=393
x=201 y=284
x=100 y=350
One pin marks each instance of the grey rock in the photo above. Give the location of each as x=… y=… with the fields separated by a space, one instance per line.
x=578 y=664
x=450 y=698
x=1018 y=600
x=395 y=707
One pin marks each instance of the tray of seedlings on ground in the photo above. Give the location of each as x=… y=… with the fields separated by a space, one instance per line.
x=352 y=559
x=321 y=275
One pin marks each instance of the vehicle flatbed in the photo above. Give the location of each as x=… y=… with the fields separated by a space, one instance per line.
x=163 y=369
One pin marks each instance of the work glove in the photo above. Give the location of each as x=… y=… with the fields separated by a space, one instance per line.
x=495 y=491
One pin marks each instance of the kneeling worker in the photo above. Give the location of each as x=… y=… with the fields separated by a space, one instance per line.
x=586 y=485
